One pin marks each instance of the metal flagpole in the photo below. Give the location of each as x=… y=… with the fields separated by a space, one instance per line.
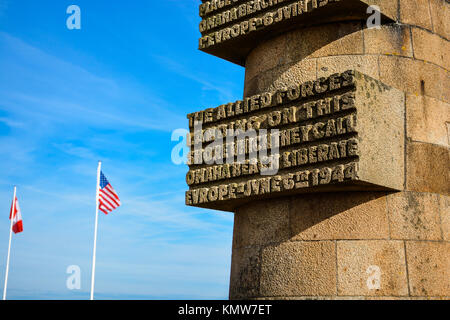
x=96 y=227
x=9 y=247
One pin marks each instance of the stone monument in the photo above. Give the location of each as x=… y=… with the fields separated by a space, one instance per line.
x=336 y=160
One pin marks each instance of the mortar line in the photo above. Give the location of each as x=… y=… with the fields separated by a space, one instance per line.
x=337 y=273
x=260 y=271
x=379 y=67
x=431 y=143
x=407 y=269
x=440 y=215
x=431 y=16
x=412 y=42
x=332 y=240
x=388 y=217
x=405 y=148
x=424 y=29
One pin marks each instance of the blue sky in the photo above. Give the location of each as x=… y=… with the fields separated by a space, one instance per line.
x=114 y=90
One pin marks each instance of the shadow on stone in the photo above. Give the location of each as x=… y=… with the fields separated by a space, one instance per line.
x=339 y=215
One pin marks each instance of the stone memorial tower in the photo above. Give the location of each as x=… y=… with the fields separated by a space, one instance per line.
x=350 y=199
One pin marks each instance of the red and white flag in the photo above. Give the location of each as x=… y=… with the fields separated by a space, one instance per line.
x=17 y=224
x=108 y=198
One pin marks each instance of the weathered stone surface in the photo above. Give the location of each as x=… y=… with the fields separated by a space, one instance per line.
x=324 y=40
x=289 y=75
x=392 y=39
x=382 y=114
x=387 y=7
x=299 y=269
x=427 y=119
x=296 y=298
x=336 y=127
x=416 y=13
x=406 y=298
x=448 y=132
x=233 y=31
x=261 y=223
x=429 y=298
x=445 y=78
x=386 y=298
x=415 y=77
x=428 y=268
x=444 y=205
x=427 y=168
x=345 y=298
x=329 y=216
x=365 y=64
x=431 y=47
x=414 y=216
x=356 y=261
x=268 y=55
x=440 y=15
x=245 y=267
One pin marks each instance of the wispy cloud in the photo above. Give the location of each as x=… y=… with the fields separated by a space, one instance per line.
x=225 y=92
x=12 y=123
x=60 y=92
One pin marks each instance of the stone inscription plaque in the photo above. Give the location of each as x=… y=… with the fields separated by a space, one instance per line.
x=230 y=29
x=344 y=132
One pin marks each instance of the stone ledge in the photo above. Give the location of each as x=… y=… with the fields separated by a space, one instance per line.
x=235 y=40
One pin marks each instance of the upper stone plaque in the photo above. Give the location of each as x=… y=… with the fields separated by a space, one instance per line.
x=230 y=29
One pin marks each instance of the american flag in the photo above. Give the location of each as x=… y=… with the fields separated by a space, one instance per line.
x=108 y=198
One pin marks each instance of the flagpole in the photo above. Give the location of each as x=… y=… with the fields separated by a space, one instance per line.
x=9 y=247
x=96 y=227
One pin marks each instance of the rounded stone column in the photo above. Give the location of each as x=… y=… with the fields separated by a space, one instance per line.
x=343 y=244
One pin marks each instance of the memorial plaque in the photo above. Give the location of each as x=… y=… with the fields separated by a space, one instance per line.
x=230 y=29
x=344 y=132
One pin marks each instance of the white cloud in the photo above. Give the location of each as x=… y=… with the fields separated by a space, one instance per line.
x=64 y=92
